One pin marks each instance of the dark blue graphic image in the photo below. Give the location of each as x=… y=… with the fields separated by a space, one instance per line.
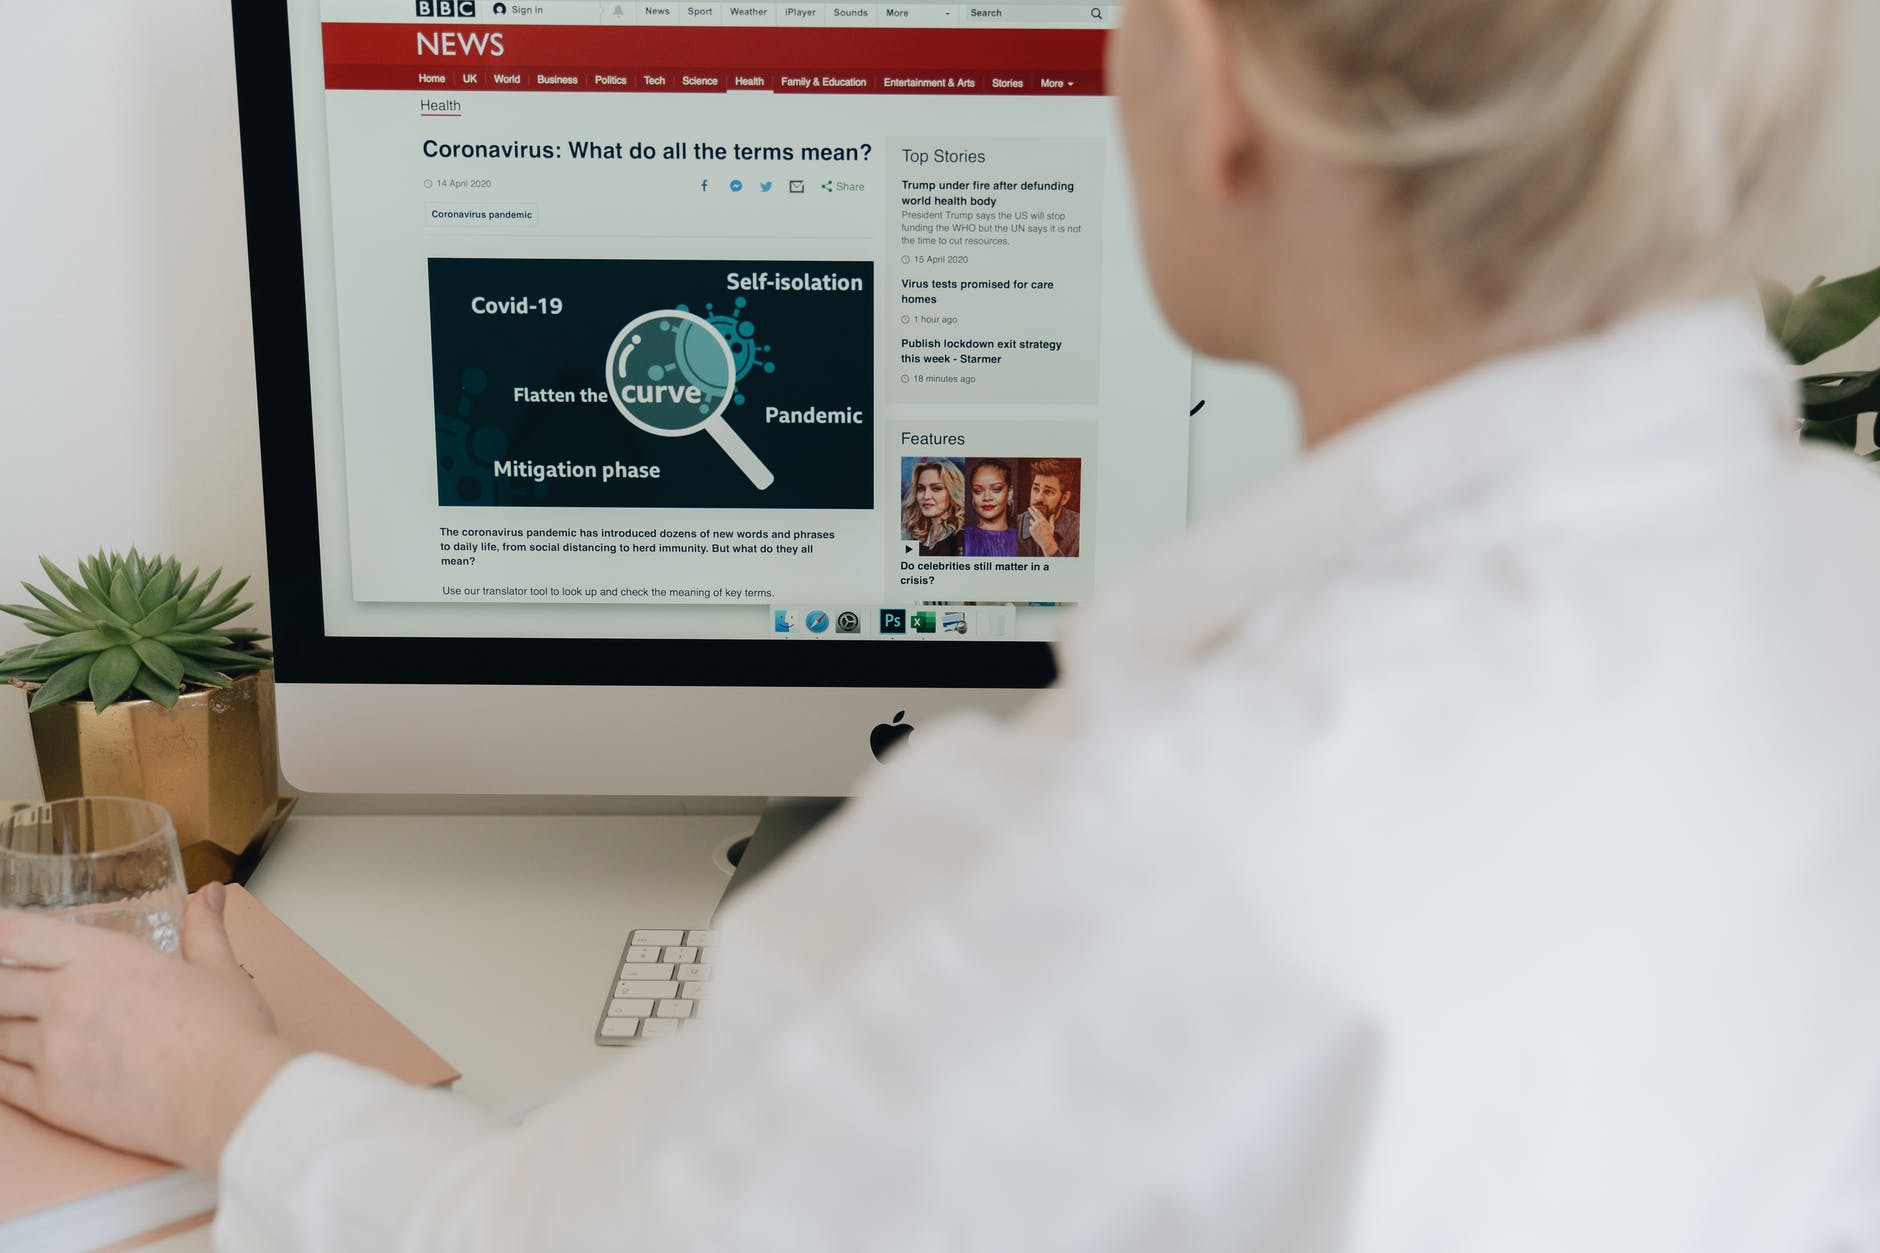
x=654 y=384
x=672 y=373
x=467 y=451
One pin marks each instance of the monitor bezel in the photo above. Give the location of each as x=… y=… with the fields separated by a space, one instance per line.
x=305 y=653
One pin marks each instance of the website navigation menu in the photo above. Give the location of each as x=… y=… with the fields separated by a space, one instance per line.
x=390 y=57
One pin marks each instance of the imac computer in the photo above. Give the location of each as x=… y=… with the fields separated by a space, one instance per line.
x=686 y=398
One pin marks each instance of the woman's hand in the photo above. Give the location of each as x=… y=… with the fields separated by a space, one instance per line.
x=105 y=1036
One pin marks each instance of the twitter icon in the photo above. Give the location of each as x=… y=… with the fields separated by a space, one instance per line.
x=764 y=186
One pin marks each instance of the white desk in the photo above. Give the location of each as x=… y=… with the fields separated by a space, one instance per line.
x=492 y=938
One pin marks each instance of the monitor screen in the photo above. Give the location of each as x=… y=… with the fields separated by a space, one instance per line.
x=766 y=345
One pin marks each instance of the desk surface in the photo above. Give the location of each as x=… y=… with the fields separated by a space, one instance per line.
x=492 y=938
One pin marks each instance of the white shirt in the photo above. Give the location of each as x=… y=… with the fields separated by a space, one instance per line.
x=1464 y=843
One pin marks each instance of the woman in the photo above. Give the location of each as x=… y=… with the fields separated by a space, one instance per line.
x=1460 y=843
x=934 y=509
x=992 y=533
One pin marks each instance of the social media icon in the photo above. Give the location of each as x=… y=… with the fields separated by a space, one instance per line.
x=848 y=623
x=926 y=621
x=703 y=183
x=796 y=186
x=817 y=622
x=765 y=185
x=782 y=622
x=737 y=184
x=894 y=622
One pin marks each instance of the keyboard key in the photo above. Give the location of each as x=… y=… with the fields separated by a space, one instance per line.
x=662 y=975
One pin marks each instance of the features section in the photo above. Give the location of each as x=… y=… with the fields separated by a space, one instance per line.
x=653 y=384
x=995 y=510
x=995 y=269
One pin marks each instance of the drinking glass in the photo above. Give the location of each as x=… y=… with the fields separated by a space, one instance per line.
x=99 y=861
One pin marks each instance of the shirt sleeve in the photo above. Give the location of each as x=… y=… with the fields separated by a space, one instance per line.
x=333 y=1155
x=930 y=1000
x=737 y=1139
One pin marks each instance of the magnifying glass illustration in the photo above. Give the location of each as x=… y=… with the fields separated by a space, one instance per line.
x=1097 y=13
x=671 y=373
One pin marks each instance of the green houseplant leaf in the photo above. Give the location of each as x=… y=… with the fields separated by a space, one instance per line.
x=66 y=682
x=111 y=673
x=153 y=686
x=83 y=599
x=1777 y=300
x=1825 y=315
x=130 y=626
x=161 y=661
x=157 y=621
x=41 y=621
x=162 y=586
x=1822 y=317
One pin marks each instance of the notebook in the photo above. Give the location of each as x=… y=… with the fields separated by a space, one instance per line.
x=59 y=1192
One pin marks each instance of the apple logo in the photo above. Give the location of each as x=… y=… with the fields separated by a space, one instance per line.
x=887 y=735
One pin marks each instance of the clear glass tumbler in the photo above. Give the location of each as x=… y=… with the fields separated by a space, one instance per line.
x=99 y=861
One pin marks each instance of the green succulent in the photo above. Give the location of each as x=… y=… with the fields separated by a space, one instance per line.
x=130 y=624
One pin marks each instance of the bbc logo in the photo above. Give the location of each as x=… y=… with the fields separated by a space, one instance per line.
x=447 y=8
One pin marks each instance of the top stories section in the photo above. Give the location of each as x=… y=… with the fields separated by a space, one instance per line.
x=373 y=56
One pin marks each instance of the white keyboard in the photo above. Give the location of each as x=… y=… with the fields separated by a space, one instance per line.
x=658 y=986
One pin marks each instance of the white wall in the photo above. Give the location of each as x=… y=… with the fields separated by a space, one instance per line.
x=124 y=328
x=1836 y=227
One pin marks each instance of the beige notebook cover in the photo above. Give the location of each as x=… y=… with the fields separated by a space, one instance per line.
x=316 y=1007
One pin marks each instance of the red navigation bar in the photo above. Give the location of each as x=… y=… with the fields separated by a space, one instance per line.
x=372 y=56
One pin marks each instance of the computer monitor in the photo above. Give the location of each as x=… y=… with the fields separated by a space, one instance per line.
x=685 y=398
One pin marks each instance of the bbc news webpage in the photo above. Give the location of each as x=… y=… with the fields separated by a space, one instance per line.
x=724 y=320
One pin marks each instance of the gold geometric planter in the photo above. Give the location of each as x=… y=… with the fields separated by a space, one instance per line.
x=213 y=762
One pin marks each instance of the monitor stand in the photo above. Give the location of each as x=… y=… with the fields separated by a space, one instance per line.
x=785 y=820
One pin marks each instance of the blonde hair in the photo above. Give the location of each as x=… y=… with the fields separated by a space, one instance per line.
x=1555 y=163
x=914 y=524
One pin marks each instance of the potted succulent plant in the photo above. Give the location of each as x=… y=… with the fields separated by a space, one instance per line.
x=1816 y=320
x=139 y=689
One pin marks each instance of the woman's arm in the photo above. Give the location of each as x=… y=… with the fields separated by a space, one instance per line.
x=114 y=1040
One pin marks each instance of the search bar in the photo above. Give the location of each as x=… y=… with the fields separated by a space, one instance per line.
x=1041 y=14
